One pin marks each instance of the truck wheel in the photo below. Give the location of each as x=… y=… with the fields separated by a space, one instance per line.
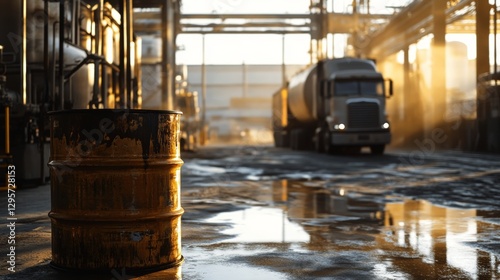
x=377 y=149
x=327 y=146
x=294 y=140
x=279 y=139
x=318 y=143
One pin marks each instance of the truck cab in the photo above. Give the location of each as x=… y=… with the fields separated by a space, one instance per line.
x=355 y=110
x=333 y=104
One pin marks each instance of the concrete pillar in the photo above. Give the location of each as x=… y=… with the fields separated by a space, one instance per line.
x=439 y=61
x=413 y=114
x=482 y=65
x=408 y=92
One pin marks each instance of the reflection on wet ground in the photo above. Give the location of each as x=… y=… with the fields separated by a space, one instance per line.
x=247 y=226
x=309 y=230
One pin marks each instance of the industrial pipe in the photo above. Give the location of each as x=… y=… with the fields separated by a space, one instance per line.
x=61 y=53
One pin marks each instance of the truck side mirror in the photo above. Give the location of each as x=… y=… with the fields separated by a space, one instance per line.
x=390 y=93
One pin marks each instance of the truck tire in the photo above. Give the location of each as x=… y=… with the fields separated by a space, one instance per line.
x=377 y=149
x=293 y=140
x=298 y=140
x=277 y=139
x=327 y=146
x=319 y=145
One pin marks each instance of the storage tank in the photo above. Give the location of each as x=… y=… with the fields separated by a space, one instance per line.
x=301 y=95
x=303 y=98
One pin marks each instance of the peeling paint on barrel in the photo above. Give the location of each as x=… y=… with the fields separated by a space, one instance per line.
x=115 y=189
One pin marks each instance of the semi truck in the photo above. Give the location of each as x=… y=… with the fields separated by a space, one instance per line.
x=332 y=105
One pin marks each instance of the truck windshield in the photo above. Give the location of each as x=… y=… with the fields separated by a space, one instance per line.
x=359 y=87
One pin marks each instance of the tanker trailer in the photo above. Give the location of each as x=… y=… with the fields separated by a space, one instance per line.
x=334 y=104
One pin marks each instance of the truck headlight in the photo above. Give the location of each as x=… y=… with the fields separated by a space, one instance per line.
x=386 y=125
x=339 y=126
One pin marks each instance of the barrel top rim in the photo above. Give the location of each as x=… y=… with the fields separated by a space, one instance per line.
x=134 y=111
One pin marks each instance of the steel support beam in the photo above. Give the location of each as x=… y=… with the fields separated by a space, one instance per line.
x=482 y=67
x=245 y=16
x=482 y=36
x=412 y=23
x=246 y=32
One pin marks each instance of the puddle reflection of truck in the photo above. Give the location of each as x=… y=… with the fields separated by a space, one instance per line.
x=333 y=104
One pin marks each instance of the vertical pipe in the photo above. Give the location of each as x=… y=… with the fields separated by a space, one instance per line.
x=203 y=91
x=176 y=28
x=166 y=104
x=244 y=79
x=323 y=27
x=77 y=16
x=98 y=50
x=46 y=49
x=45 y=97
x=128 y=22
x=61 y=53
x=104 y=78
x=24 y=55
x=104 y=87
x=122 y=75
x=74 y=29
x=407 y=115
x=283 y=67
x=53 y=67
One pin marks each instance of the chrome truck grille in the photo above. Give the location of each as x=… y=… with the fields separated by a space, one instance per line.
x=363 y=115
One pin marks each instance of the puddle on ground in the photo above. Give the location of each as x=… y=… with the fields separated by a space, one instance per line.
x=248 y=226
x=404 y=238
x=240 y=272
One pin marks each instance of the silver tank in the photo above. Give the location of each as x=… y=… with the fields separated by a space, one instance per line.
x=303 y=95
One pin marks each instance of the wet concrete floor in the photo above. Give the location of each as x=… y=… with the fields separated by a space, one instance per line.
x=272 y=214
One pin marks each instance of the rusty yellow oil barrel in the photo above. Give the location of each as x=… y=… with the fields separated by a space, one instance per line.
x=115 y=190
